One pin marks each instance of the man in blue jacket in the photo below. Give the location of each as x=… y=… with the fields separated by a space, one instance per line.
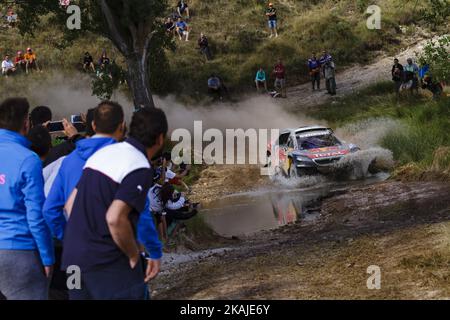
x=109 y=126
x=26 y=247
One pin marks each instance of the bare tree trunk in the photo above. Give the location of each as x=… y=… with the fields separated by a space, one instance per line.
x=139 y=82
x=136 y=54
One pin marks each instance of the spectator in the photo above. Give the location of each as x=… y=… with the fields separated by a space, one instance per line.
x=64 y=3
x=397 y=75
x=215 y=86
x=329 y=70
x=182 y=29
x=168 y=173
x=20 y=61
x=169 y=25
x=314 y=71
x=104 y=209
x=204 y=46
x=109 y=126
x=40 y=116
x=50 y=171
x=11 y=18
x=271 y=14
x=8 y=66
x=26 y=247
x=63 y=149
x=325 y=58
x=411 y=71
x=435 y=87
x=41 y=141
x=182 y=8
x=88 y=62
x=31 y=60
x=279 y=72
x=104 y=63
x=260 y=80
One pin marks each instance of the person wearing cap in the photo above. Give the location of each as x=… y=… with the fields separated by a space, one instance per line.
x=31 y=61
x=19 y=61
x=271 y=14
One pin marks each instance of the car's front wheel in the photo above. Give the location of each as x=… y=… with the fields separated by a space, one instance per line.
x=293 y=171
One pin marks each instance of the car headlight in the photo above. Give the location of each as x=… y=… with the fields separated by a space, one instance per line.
x=354 y=148
x=303 y=159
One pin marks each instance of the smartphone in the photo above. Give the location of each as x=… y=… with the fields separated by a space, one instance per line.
x=56 y=126
x=80 y=126
x=75 y=118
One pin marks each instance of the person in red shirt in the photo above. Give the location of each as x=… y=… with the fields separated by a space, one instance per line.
x=279 y=72
x=19 y=61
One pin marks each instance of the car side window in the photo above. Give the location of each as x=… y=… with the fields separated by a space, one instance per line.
x=282 y=141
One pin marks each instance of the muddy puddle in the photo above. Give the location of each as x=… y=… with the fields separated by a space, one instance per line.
x=292 y=202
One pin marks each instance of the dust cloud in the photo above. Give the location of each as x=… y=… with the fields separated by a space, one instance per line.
x=72 y=95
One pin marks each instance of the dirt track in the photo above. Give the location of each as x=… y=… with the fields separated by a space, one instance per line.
x=401 y=227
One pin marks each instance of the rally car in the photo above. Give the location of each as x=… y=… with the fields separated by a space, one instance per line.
x=307 y=151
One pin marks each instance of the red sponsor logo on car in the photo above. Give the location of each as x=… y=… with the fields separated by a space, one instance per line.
x=328 y=154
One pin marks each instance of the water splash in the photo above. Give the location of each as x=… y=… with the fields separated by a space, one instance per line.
x=364 y=163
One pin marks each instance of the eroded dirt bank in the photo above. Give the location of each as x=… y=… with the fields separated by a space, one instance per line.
x=401 y=227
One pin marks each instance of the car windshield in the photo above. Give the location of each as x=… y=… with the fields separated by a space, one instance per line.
x=314 y=142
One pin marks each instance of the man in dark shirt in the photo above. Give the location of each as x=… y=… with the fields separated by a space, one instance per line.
x=182 y=8
x=103 y=210
x=397 y=75
x=271 y=14
x=88 y=62
x=204 y=46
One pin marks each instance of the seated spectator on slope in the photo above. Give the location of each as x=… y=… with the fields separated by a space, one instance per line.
x=11 y=18
x=260 y=80
x=104 y=60
x=88 y=62
x=40 y=115
x=31 y=60
x=41 y=141
x=20 y=62
x=435 y=87
x=204 y=46
x=8 y=67
x=182 y=8
x=169 y=25
x=215 y=86
x=182 y=29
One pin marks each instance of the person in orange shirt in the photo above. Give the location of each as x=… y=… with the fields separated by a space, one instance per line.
x=31 y=61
